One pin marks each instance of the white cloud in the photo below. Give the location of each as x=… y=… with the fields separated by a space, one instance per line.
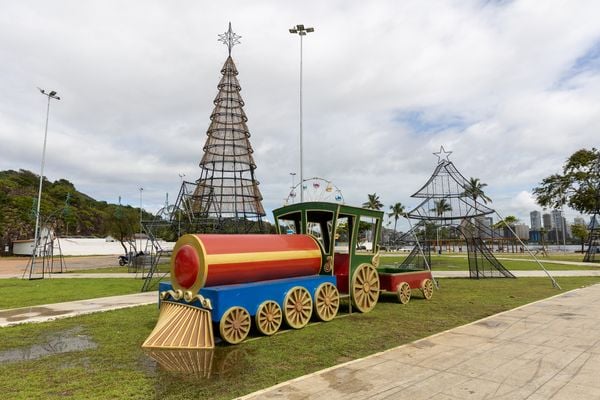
x=493 y=82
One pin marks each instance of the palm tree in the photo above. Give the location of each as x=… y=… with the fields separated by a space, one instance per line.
x=373 y=203
x=474 y=190
x=396 y=211
x=441 y=206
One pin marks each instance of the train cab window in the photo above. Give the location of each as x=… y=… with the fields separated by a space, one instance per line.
x=343 y=235
x=367 y=235
x=289 y=223
x=319 y=225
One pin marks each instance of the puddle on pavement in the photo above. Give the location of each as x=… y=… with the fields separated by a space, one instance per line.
x=567 y=315
x=491 y=323
x=21 y=314
x=61 y=342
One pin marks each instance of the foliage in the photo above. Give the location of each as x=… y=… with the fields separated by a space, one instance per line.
x=397 y=210
x=441 y=206
x=373 y=202
x=578 y=186
x=63 y=206
x=581 y=232
x=509 y=220
x=475 y=191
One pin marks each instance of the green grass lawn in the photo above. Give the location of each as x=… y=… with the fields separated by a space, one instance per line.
x=23 y=293
x=118 y=368
x=459 y=262
x=163 y=267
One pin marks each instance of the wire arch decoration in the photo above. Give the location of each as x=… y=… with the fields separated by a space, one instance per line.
x=316 y=189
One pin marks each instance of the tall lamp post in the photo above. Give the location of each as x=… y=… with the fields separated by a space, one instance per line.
x=301 y=31
x=293 y=175
x=50 y=95
x=141 y=189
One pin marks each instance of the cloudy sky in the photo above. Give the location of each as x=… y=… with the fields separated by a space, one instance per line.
x=512 y=88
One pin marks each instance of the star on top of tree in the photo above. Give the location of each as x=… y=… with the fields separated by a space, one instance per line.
x=442 y=155
x=229 y=38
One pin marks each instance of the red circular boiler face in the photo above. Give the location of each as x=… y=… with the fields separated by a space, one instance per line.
x=186 y=266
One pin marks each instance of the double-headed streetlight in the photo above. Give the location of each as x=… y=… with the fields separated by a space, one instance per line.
x=301 y=31
x=50 y=95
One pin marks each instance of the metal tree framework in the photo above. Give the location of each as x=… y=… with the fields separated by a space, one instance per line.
x=226 y=196
x=593 y=251
x=446 y=202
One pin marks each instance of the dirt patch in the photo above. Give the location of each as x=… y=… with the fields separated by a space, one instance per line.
x=16 y=265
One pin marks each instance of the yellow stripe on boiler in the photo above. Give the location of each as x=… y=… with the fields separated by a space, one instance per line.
x=230 y=258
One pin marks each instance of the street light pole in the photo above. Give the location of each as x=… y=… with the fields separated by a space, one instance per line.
x=141 y=189
x=293 y=174
x=50 y=95
x=301 y=31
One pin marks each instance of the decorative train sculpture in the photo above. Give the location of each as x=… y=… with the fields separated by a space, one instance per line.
x=323 y=253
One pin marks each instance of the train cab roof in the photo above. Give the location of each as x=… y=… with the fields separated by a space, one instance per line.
x=316 y=206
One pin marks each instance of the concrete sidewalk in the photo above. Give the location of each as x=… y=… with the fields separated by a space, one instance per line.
x=545 y=350
x=50 y=312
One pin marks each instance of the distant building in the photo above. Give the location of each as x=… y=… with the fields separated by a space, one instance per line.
x=557 y=219
x=547 y=220
x=522 y=231
x=486 y=226
x=536 y=220
x=578 y=221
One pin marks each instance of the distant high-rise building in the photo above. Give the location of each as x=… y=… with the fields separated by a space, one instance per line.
x=536 y=220
x=578 y=221
x=557 y=219
x=522 y=231
x=547 y=220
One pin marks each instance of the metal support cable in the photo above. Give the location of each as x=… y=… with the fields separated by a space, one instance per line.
x=554 y=283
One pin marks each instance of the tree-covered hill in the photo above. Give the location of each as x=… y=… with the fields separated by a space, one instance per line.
x=71 y=212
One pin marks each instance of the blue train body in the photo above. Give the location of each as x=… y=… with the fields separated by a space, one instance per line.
x=251 y=295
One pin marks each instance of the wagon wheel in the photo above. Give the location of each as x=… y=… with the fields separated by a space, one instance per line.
x=427 y=288
x=365 y=287
x=297 y=307
x=403 y=293
x=327 y=301
x=268 y=317
x=234 y=325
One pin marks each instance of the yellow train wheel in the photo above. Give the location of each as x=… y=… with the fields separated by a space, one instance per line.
x=235 y=325
x=268 y=318
x=297 y=307
x=365 y=287
x=327 y=301
x=427 y=288
x=403 y=293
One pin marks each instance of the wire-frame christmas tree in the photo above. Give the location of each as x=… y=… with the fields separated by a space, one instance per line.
x=226 y=196
x=446 y=202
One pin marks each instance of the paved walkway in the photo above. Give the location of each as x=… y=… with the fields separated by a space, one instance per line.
x=544 y=350
x=50 y=312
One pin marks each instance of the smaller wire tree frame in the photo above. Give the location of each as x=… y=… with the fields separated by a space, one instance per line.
x=593 y=251
x=47 y=252
x=447 y=202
